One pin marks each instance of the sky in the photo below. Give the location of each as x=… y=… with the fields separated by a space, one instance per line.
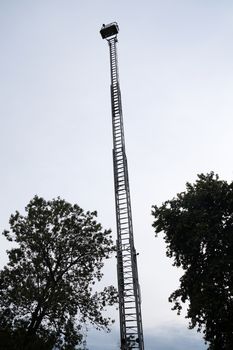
x=176 y=76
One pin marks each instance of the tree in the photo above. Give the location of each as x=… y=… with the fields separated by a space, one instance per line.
x=46 y=288
x=198 y=228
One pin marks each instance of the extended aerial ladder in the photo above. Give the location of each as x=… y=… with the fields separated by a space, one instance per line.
x=128 y=286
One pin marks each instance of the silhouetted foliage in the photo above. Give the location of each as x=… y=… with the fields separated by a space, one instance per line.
x=198 y=228
x=46 y=288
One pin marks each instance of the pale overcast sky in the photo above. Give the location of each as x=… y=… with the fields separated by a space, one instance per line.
x=176 y=73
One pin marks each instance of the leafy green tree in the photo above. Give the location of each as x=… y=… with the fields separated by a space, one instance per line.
x=198 y=229
x=46 y=289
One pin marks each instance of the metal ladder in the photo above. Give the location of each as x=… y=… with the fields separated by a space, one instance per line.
x=128 y=285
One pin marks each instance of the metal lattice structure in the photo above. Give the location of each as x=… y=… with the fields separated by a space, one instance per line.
x=128 y=285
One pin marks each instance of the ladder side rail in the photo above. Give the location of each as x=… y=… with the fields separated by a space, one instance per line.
x=118 y=102
x=120 y=275
x=126 y=266
x=119 y=243
x=133 y=251
x=134 y=263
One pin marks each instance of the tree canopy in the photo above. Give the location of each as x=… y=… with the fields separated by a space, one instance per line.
x=198 y=229
x=46 y=288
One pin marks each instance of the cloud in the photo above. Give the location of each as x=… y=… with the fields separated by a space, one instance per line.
x=173 y=338
x=164 y=337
